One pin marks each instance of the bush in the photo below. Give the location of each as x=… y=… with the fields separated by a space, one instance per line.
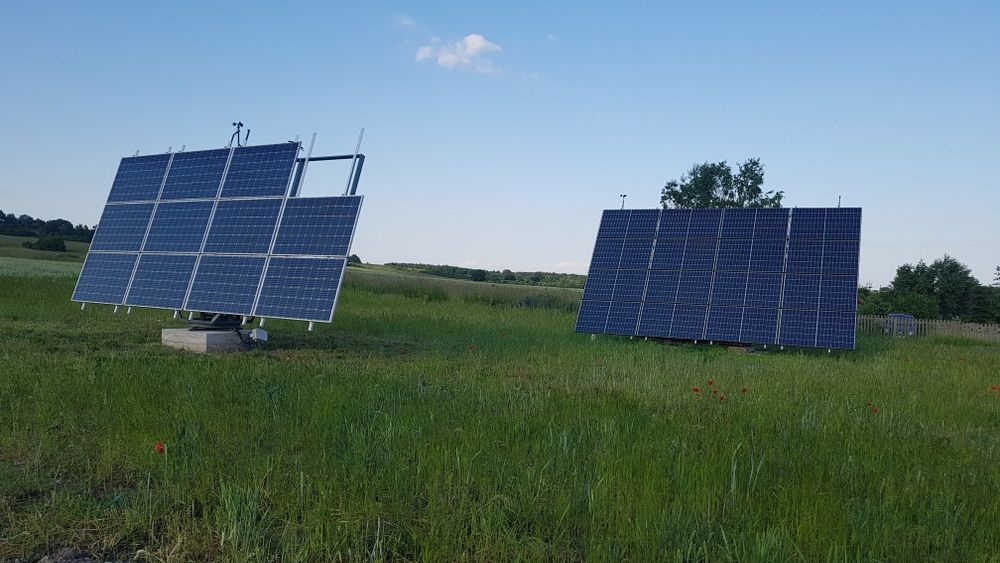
x=55 y=244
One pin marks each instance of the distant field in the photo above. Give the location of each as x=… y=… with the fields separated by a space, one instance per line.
x=443 y=420
x=13 y=247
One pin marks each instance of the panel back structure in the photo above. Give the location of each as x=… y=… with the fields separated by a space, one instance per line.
x=756 y=276
x=215 y=231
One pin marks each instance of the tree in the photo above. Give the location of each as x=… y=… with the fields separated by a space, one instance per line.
x=713 y=184
x=353 y=259
x=478 y=275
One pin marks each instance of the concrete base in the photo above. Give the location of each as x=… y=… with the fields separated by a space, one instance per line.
x=201 y=341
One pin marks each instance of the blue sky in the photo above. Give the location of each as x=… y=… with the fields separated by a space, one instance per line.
x=496 y=134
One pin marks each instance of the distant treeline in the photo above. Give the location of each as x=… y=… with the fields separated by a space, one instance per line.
x=549 y=279
x=28 y=226
x=944 y=289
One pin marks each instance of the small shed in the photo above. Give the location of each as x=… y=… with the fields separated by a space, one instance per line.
x=900 y=324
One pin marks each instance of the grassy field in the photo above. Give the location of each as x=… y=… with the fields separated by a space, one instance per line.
x=13 y=247
x=440 y=420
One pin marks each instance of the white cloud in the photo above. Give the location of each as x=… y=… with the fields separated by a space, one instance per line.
x=402 y=21
x=468 y=53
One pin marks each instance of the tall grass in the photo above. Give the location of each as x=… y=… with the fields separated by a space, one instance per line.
x=439 y=425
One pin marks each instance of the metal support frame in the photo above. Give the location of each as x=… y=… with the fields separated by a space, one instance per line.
x=355 y=177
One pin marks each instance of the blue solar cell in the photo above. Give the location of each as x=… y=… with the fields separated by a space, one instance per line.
x=801 y=292
x=225 y=284
x=655 y=319
x=693 y=286
x=593 y=316
x=734 y=255
x=724 y=323
x=178 y=226
x=760 y=326
x=636 y=253
x=243 y=226
x=807 y=223
x=771 y=224
x=729 y=288
x=763 y=290
x=804 y=256
x=840 y=257
x=319 y=226
x=623 y=318
x=843 y=223
x=838 y=293
x=836 y=330
x=161 y=281
x=300 y=288
x=139 y=178
x=674 y=223
x=614 y=223
x=629 y=285
x=699 y=254
x=642 y=223
x=607 y=253
x=767 y=256
x=668 y=254
x=196 y=174
x=600 y=285
x=705 y=223
x=798 y=328
x=738 y=223
x=662 y=286
x=122 y=227
x=260 y=171
x=688 y=322
x=104 y=278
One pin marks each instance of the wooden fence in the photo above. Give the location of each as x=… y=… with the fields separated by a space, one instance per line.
x=870 y=324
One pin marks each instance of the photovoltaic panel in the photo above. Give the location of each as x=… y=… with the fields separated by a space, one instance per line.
x=243 y=226
x=300 y=288
x=260 y=171
x=178 y=226
x=139 y=178
x=104 y=278
x=122 y=227
x=196 y=174
x=161 y=281
x=319 y=226
x=215 y=231
x=768 y=276
x=225 y=284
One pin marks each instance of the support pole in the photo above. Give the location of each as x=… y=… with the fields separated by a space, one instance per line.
x=312 y=326
x=357 y=149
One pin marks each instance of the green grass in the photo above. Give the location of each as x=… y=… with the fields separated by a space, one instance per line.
x=13 y=247
x=433 y=422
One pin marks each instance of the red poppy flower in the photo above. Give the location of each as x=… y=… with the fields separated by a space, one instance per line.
x=874 y=410
x=159 y=448
x=722 y=397
x=472 y=348
x=993 y=387
x=744 y=390
x=696 y=389
x=715 y=391
x=869 y=404
x=711 y=382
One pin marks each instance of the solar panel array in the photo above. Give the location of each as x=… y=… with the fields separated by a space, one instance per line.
x=756 y=276
x=215 y=231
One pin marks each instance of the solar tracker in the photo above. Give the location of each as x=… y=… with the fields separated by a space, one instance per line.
x=756 y=276
x=216 y=231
